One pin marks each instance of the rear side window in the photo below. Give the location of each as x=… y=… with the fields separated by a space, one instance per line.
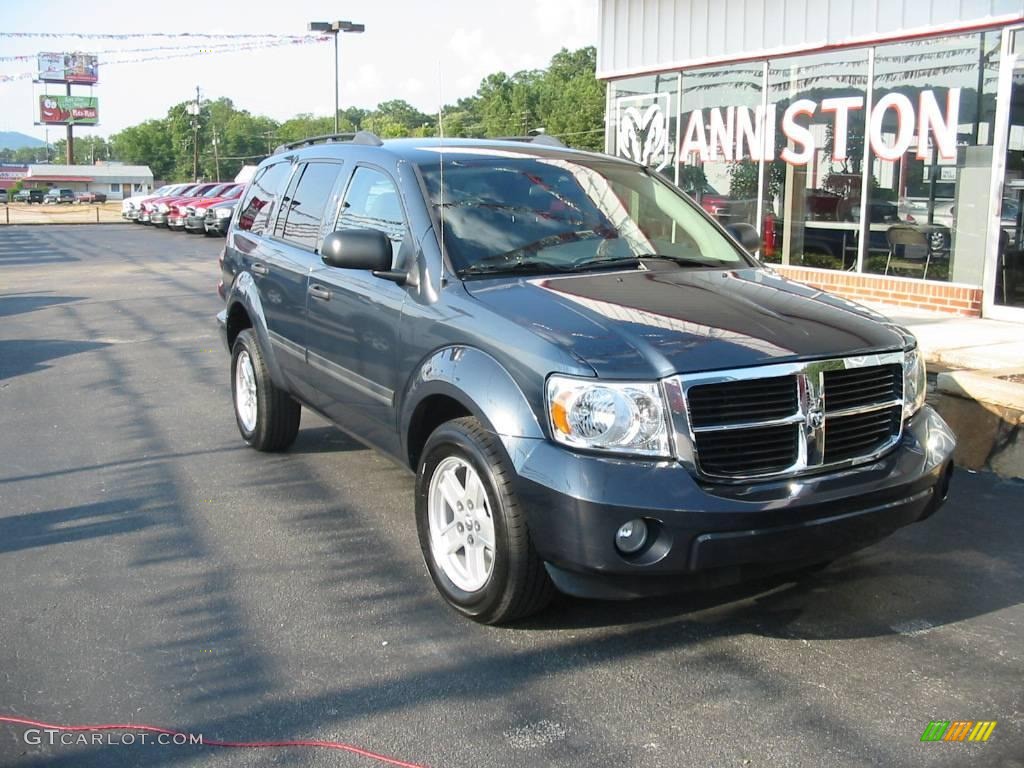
x=303 y=206
x=372 y=202
x=257 y=208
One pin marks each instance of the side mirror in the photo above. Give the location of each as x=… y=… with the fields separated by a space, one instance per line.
x=745 y=235
x=357 y=249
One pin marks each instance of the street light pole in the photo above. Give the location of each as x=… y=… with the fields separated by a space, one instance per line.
x=335 y=28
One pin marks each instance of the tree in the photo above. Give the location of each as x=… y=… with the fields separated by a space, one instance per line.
x=88 y=149
x=148 y=143
x=566 y=100
x=572 y=99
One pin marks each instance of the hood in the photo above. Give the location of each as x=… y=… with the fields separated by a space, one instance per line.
x=674 y=320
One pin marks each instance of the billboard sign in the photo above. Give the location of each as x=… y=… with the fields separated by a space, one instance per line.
x=68 y=110
x=13 y=172
x=80 y=68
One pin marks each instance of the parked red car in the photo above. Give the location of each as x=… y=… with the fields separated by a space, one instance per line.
x=161 y=207
x=176 y=216
x=148 y=206
x=91 y=197
x=195 y=212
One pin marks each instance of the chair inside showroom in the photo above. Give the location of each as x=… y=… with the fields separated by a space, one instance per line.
x=916 y=250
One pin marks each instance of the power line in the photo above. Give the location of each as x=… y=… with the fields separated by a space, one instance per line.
x=203 y=48
x=237 y=48
x=136 y=35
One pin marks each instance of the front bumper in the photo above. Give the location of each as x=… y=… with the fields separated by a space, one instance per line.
x=158 y=219
x=217 y=226
x=195 y=223
x=707 y=535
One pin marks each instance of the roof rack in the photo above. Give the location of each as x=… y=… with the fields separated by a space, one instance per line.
x=365 y=138
x=543 y=139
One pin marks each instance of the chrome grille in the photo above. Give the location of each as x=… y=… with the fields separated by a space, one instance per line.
x=854 y=387
x=735 y=452
x=847 y=437
x=787 y=419
x=736 y=402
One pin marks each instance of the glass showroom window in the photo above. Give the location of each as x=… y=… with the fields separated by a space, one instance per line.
x=814 y=176
x=722 y=140
x=642 y=120
x=930 y=136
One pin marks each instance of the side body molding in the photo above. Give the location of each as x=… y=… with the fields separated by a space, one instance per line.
x=244 y=291
x=482 y=385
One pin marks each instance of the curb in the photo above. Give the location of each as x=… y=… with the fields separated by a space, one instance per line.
x=987 y=414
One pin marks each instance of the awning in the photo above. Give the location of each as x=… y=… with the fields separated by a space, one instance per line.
x=59 y=178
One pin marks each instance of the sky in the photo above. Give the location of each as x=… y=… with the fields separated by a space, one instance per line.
x=425 y=52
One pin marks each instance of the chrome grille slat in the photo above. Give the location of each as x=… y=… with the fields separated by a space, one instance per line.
x=711 y=404
x=787 y=419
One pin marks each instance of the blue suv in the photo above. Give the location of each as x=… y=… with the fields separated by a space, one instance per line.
x=598 y=388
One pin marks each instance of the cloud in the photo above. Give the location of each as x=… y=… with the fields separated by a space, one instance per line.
x=566 y=23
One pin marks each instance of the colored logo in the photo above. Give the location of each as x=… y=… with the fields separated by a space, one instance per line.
x=643 y=134
x=958 y=730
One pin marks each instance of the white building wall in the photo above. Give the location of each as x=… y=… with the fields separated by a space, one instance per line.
x=637 y=36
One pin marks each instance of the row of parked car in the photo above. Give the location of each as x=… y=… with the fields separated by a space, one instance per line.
x=196 y=208
x=51 y=196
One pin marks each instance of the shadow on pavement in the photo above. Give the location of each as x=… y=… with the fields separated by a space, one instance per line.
x=59 y=526
x=21 y=356
x=17 y=303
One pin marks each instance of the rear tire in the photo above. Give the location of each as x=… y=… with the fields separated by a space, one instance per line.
x=267 y=416
x=479 y=555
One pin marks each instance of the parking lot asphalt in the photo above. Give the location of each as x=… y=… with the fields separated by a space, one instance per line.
x=155 y=570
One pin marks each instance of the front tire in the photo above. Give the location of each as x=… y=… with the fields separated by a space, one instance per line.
x=472 y=530
x=267 y=416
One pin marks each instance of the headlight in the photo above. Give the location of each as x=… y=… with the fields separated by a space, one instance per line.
x=224 y=213
x=915 y=381
x=618 y=417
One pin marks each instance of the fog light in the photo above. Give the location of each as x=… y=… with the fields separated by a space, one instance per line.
x=631 y=537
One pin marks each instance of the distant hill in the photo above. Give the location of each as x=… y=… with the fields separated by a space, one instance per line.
x=15 y=140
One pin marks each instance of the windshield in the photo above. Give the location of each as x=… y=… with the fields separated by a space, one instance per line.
x=511 y=211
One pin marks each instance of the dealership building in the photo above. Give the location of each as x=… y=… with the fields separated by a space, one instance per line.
x=877 y=147
x=115 y=180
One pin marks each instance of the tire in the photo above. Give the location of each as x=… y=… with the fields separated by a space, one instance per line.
x=516 y=584
x=269 y=421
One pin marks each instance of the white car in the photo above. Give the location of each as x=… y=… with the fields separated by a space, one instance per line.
x=130 y=205
x=915 y=211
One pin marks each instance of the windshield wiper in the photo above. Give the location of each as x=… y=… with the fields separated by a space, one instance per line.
x=683 y=261
x=529 y=265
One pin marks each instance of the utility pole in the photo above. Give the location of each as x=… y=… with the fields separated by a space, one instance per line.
x=71 y=137
x=216 y=154
x=195 y=139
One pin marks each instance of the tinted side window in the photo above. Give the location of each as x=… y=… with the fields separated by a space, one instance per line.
x=372 y=202
x=304 y=205
x=257 y=209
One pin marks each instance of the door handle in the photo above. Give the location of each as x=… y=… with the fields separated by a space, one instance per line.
x=260 y=269
x=319 y=292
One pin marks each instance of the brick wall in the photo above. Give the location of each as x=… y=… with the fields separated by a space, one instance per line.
x=952 y=298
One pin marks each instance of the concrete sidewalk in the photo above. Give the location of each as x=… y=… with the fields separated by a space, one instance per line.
x=967 y=343
x=977 y=389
